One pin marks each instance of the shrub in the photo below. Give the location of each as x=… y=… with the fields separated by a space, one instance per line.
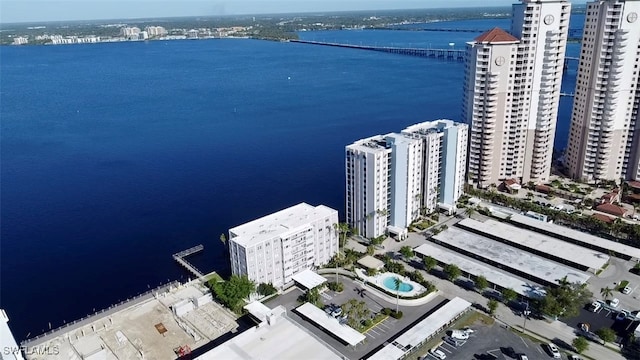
x=266 y=289
x=396 y=315
x=386 y=311
x=335 y=286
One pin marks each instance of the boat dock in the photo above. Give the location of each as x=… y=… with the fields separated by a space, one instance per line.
x=180 y=258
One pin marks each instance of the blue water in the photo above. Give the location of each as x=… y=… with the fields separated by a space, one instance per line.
x=390 y=284
x=115 y=156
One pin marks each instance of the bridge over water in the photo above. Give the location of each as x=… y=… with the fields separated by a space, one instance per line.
x=447 y=54
x=451 y=54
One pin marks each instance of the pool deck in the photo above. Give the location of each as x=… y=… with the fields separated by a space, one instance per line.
x=379 y=281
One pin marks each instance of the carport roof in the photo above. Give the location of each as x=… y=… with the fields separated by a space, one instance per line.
x=309 y=279
x=371 y=262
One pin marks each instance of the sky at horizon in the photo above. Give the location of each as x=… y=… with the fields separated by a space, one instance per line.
x=15 y=11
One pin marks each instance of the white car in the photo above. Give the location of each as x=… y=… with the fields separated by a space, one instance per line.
x=459 y=334
x=554 y=351
x=438 y=354
x=626 y=290
x=595 y=306
x=614 y=302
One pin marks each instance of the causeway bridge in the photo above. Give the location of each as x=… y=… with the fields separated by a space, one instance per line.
x=448 y=54
x=180 y=258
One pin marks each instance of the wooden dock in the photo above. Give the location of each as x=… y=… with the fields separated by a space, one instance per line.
x=180 y=258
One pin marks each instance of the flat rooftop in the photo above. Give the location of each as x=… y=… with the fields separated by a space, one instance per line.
x=582 y=256
x=510 y=257
x=422 y=330
x=344 y=332
x=149 y=327
x=578 y=236
x=281 y=339
x=476 y=268
x=280 y=223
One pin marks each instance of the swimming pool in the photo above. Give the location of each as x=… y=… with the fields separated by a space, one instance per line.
x=390 y=284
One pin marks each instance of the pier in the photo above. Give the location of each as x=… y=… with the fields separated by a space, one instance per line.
x=180 y=258
x=447 y=54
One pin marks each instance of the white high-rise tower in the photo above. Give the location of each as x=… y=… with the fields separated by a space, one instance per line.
x=604 y=139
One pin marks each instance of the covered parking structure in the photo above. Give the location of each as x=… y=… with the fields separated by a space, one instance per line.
x=577 y=237
x=551 y=248
x=308 y=280
x=497 y=278
x=346 y=334
x=423 y=331
x=517 y=261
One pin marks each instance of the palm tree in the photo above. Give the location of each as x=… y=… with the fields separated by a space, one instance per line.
x=223 y=239
x=341 y=229
x=397 y=282
x=606 y=292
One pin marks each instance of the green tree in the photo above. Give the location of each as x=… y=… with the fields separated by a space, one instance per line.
x=371 y=249
x=492 y=305
x=407 y=252
x=342 y=229
x=223 y=239
x=565 y=299
x=397 y=282
x=606 y=292
x=313 y=296
x=481 y=283
x=509 y=295
x=606 y=334
x=452 y=271
x=580 y=344
x=232 y=292
x=371 y=272
x=429 y=263
x=266 y=289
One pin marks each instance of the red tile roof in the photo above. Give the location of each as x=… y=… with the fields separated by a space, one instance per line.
x=510 y=182
x=634 y=184
x=495 y=35
x=604 y=218
x=611 y=209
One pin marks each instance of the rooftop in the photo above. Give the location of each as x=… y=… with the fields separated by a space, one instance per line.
x=496 y=35
x=582 y=256
x=279 y=339
x=476 y=268
x=150 y=327
x=509 y=256
x=611 y=209
x=577 y=236
x=280 y=223
x=344 y=332
x=309 y=279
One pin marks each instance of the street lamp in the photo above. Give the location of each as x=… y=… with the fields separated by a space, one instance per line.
x=526 y=313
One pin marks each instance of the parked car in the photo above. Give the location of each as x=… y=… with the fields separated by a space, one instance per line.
x=574 y=357
x=337 y=311
x=459 y=334
x=626 y=290
x=438 y=354
x=614 y=302
x=522 y=357
x=453 y=342
x=623 y=314
x=554 y=351
x=595 y=306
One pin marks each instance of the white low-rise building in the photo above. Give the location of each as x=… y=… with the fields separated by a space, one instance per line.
x=274 y=248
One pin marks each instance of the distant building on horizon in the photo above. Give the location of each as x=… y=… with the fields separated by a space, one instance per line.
x=392 y=179
x=130 y=32
x=512 y=92
x=274 y=248
x=156 y=31
x=604 y=138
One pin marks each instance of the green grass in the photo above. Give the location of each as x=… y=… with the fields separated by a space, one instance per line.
x=211 y=276
x=622 y=285
x=377 y=320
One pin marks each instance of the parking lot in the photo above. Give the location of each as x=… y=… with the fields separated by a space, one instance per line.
x=375 y=336
x=605 y=317
x=493 y=342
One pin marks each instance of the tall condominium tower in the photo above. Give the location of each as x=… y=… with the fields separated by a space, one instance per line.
x=512 y=91
x=391 y=179
x=604 y=139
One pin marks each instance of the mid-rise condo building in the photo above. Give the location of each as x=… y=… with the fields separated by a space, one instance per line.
x=512 y=91
x=604 y=140
x=392 y=179
x=274 y=248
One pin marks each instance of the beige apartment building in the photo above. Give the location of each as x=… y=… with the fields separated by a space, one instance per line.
x=604 y=138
